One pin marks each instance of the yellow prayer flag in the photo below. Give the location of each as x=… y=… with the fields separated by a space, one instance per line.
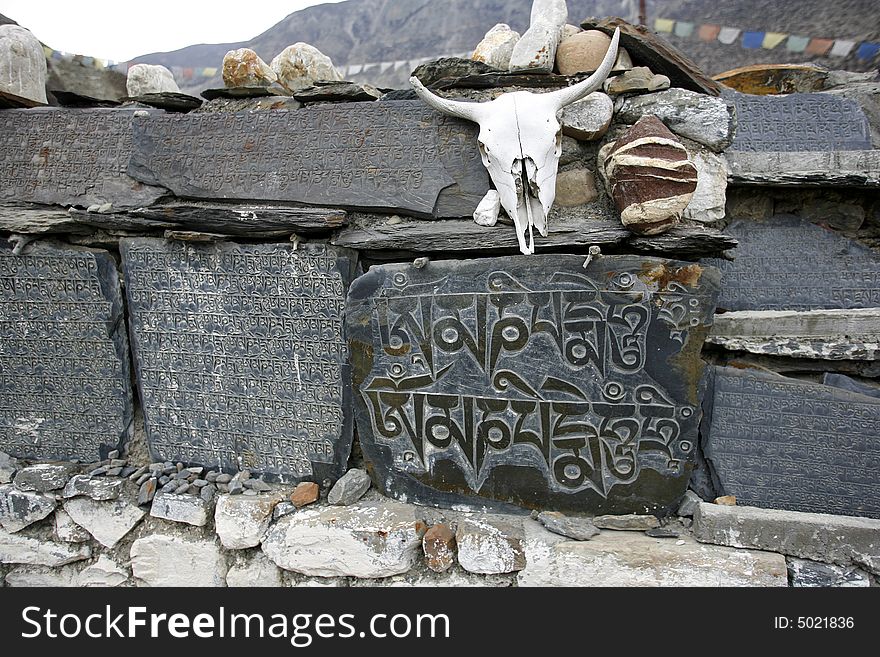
x=663 y=25
x=773 y=39
x=210 y=71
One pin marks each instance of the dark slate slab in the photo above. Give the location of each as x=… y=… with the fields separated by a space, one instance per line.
x=799 y=122
x=69 y=157
x=530 y=381
x=239 y=354
x=787 y=263
x=401 y=157
x=781 y=443
x=64 y=373
x=844 y=382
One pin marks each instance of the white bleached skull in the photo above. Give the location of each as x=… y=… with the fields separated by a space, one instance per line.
x=520 y=142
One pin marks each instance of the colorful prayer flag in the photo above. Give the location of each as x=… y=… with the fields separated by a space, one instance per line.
x=797 y=43
x=772 y=39
x=752 y=39
x=819 y=46
x=683 y=29
x=210 y=71
x=709 y=32
x=842 y=47
x=868 y=50
x=728 y=35
x=663 y=25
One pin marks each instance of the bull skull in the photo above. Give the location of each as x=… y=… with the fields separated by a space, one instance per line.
x=520 y=143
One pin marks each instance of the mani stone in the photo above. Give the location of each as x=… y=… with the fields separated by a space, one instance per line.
x=69 y=157
x=848 y=383
x=704 y=119
x=536 y=50
x=496 y=47
x=244 y=68
x=799 y=122
x=374 y=156
x=240 y=355
x=43 y=477
x=530 y=381
x=782 y=443
x=23 y=69
x=649 y=176
x=301 y=65
x=146 y=79
x=787 y=263
x=64 y=373
x=588 y=119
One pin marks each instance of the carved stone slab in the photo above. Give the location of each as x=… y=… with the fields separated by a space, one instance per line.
x=531 y=381
x=64 y=373
x=790 y=264
x=69 y=157
x=799 y=122
x=389 y=156
x=781 y=443
x=239 y=354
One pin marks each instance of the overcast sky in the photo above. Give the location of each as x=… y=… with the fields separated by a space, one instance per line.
x=123 y=29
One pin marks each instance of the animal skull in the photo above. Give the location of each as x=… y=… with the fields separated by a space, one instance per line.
x=520 y=143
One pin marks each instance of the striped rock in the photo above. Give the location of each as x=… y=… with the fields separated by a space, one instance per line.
x=649 y=176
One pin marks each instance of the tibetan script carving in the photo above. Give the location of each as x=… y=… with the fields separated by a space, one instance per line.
x=379 y=156
x=531 y=381
x=781 y=443
x=64 y=374
x=69 y=157
x=799 y=122
x=240 y=355
x=790 y=264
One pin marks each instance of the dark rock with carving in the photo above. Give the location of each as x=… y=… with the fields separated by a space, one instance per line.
x=844 y=382
x=788 y=263
x=379 y=156
x=527 y=382
x=70 y=157
x=781 y=443
x=43 y=477
x=239 y=355
x=64 y=380
x=649 y=176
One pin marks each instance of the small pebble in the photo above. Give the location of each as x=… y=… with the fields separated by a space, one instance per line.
x=164 y=479
x=113 y=455
x=144 y=477
x=223 y=478
x=179 y=466
x=661 y=532
x=208 y=493
x=170 y=486
x=182 y=488
x=212 y=476
x=99 y=471
x=199 y=483
x=114 y=472
x=138 y=473
x=117 y=463
x=196 y=470
x=223 y=488
x=127 y=471
x=251 y=492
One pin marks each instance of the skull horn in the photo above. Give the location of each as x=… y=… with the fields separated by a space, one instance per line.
x=574 y=93
x=457 y=108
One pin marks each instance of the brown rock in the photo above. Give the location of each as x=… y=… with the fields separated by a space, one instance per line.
x=438 y=544
x=582 y=52
x=726 y=500
x=575 y=187
x=304 y=494
x=244 y=68
x=637 y=80
x=649 y=176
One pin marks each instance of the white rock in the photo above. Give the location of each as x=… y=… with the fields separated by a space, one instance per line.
x=150 y=79
x=588 y=119
x=65 y=577
x=496 y=47
x=18 y=509
x=241 y=521
x=488 y=209
x=376 y=538
x=710 y=198
x=98 y=488
x=188 y=509
x=301 y=65
x=633 y=559
x=107 y=522
x=104 y=573
x=25 y=550
x=244 y=68
x=490 y=544
x=162 y=560
x=255 y=570
x=537 y=47
x=23 y=69
x=67 y=530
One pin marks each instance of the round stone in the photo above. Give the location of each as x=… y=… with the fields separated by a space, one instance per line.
x=582 y=52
